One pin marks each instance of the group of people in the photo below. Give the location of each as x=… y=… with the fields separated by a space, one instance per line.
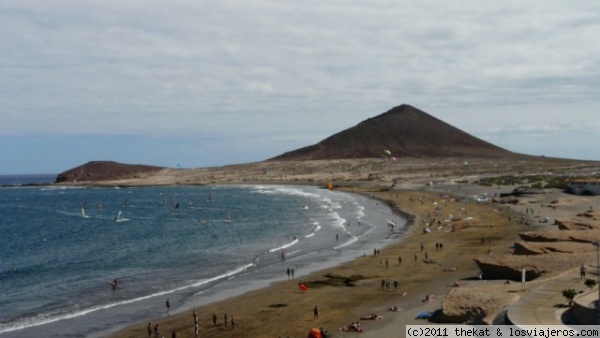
x=354 y=327
x=156 y=331
x=372 y=316
x=387 y=285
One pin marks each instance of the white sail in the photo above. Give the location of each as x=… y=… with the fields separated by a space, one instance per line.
x=120 y=219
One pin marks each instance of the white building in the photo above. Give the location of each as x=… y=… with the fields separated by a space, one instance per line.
x=585 y=186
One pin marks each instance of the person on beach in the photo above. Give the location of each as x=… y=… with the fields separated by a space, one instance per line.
x=149 y=330
x=289 y=272
x=399 y=260
x=225 y=319
x=195 y=316
x=214 y=319
x=232 y=321
x=428 y=298
x=316 y=312
x=168 y=305
x=156 y=331
x=582 y=271
x=173 y=334
x=114 y=284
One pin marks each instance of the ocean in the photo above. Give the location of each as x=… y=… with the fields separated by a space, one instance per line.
x=61 y=247
x=12 y=180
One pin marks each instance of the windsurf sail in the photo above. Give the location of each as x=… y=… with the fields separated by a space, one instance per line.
x=120 y=218
x=228 y=220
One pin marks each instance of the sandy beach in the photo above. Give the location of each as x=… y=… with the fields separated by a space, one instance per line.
x=425 y=264
x=444 y=205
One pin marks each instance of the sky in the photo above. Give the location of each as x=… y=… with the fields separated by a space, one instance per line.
x=198 y=83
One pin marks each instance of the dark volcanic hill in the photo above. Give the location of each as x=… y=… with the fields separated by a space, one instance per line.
x=406 y=132
x=103 y=171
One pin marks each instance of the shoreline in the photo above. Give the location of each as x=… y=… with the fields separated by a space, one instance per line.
x=106 y=320
x=370 y=297
x=351 y=289
x=376 y=212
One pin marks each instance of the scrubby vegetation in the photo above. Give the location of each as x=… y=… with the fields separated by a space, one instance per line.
x=532 y=181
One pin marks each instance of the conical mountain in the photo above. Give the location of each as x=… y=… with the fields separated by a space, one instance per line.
x=406 y=132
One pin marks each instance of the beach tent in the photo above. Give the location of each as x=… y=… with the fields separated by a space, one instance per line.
x=315 y=333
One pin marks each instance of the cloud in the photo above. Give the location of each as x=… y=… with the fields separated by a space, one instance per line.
x=281 y=67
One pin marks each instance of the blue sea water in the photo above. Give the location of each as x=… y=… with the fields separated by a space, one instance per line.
x=60 y=247
x=27 y=179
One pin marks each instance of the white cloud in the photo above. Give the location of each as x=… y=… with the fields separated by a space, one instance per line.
x=305 y=68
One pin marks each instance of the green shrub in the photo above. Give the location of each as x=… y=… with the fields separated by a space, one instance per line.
x=590 y=283
x=569 y=294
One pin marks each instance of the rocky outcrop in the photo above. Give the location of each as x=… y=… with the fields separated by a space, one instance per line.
x=591 y=214
x=540 y=248
x=510 y=266
x=575 y=224
x=507 y=267
x=473 y=305
x=588 y=236
x=97 y=171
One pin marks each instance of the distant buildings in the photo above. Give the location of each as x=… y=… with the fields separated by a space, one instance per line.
x=585 y=186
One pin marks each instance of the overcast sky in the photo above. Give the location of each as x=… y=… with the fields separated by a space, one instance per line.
x=196 y=83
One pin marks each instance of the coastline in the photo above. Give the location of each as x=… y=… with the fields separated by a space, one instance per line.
x=256 y=314
x=351 y=290
x=247 y=282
